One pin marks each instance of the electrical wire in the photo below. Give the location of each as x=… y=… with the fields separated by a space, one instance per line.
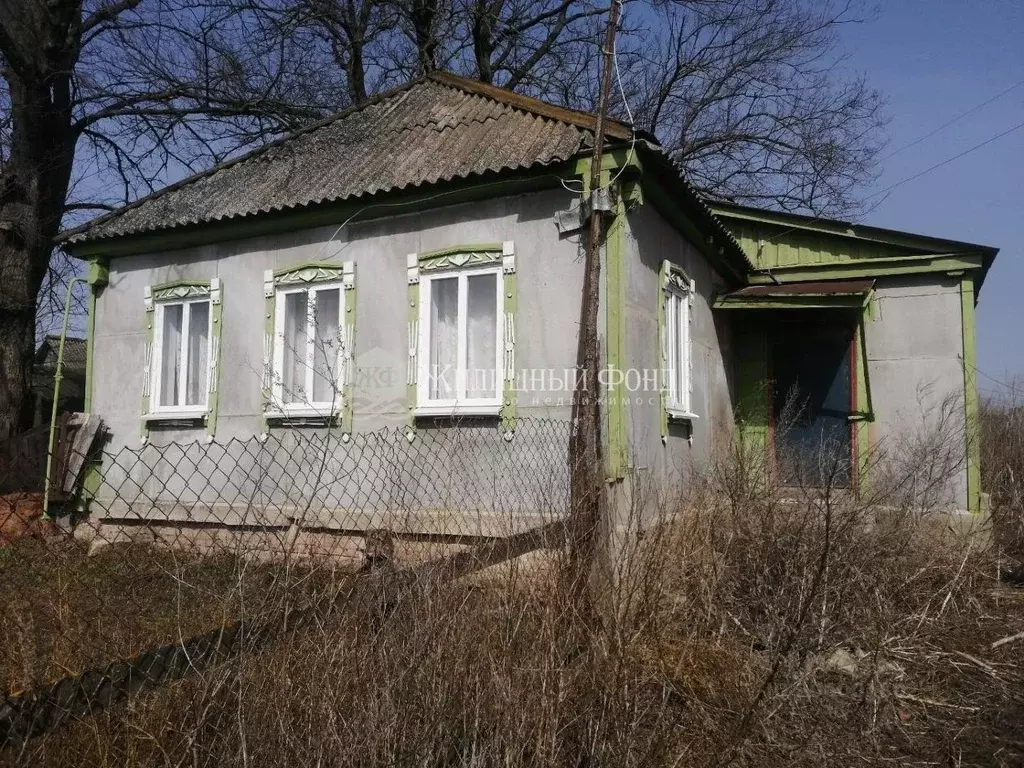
x=404 y=203
x=917 y=175
x=625 y=103
x=947 y=161
x=950 y=122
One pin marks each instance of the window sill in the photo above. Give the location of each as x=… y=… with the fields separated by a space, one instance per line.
x=162 y=416
x=682 y=416
x=455 y=411
x=302 y=415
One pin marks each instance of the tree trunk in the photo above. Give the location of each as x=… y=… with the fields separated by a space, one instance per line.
x=33 y=187
x=16 y=347
x=356 y=73
x=483 y=40
x=424 y=15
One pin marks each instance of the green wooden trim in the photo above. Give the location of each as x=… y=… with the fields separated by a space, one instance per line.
x=456 y=249
x=181 y=284
x=863 y=413
x=662 y=341
x=97 y=275
x=213 y=396
x=753 y=387
x=412 y=372
x=837 y=228
x=504 y=255
x=213 y=289
x=315 y=272
x=309 y=272
x=971 y=408
x=615 y=334
x=865 y=268
x=345 y=417
x=510 y=285
x=483 y=187
x=148 y=316
x=267 y=383
x=98 y=272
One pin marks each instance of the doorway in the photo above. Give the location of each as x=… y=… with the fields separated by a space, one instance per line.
x=812 y=398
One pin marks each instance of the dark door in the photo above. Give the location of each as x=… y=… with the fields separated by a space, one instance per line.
x=811 y=402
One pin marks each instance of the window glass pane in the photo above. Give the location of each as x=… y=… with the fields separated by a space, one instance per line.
x=444 y=337
x=293 y=371
x=326 y=345
x=670 y=349
x=198 y=352
x=682 y=354
x=481 y=336
x=170 y=363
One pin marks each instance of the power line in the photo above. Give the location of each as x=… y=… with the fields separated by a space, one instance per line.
x=950 y=122
x=917 y=175
x=947 y=161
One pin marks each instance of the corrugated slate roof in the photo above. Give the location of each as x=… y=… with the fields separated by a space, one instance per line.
x=74 y=354
x=439 y=128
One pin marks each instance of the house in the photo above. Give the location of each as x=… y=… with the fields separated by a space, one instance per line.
x=414 y=265
x=72 y=386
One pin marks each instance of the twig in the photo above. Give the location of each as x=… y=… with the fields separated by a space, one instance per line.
x=975 y=660
x=1007 y=640
x=933 y=702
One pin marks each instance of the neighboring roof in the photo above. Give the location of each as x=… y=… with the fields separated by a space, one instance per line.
x=438 y=128
x=72 y=384
x=74 y=355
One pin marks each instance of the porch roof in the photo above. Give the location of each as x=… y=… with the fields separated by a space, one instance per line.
x=819 y=294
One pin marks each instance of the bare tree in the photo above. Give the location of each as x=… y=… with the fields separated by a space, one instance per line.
x=102 y=100
x=351 y=31
x=519 y=43
x=749 y=97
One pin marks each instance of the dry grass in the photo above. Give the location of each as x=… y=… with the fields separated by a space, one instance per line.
x=1002 y=468
x=749 y=626
x=66 y=611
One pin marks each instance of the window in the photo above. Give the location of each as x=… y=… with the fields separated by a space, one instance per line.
x=181 y=375
x=677 y=353
x=308 y=349
x=461 y=344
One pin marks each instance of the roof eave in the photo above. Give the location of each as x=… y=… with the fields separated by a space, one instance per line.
x=925 y=244
x=718 y=237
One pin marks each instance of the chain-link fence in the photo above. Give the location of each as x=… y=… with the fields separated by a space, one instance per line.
x=177 y=555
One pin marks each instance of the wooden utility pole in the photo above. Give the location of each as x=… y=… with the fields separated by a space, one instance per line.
x=587 y=451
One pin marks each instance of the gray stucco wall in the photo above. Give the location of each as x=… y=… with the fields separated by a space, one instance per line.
x=650 y=240
x=549 y=272
x=914 y=347
x=549 y=277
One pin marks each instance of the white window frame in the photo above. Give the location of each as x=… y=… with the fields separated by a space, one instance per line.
x=309 y=407
x=678 y=342
x=464 y=406
x=156 y=372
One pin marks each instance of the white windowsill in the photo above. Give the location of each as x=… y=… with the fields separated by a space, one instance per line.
x=191 y=415
x=681 y=415
x=455 y=411
x=301 y=413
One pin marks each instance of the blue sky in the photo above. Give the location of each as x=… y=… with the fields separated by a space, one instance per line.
x=933 y=60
